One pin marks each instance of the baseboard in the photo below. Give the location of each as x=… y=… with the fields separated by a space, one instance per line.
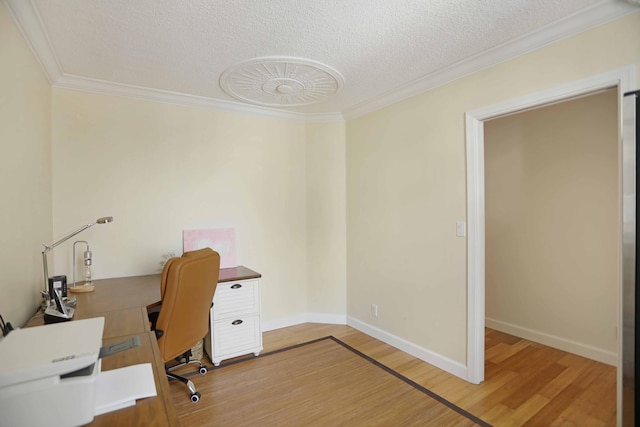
x=437 y=360
x=284 y=322
x=590 y=352
x=332 y=319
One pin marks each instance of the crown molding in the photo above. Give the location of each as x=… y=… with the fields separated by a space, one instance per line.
x=28 y=21
x=26 y=16
x=110 y=88
x=598 y=14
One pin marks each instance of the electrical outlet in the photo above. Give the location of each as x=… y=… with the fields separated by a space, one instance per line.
x=374 y=310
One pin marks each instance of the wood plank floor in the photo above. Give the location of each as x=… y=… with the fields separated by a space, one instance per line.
x=526 y=384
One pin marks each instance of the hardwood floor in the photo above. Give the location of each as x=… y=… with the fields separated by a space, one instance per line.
x=526 y=384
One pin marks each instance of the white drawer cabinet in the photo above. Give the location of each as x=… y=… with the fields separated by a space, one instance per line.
x=234 y=320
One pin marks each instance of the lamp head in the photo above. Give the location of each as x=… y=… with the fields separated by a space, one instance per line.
x=104 y=220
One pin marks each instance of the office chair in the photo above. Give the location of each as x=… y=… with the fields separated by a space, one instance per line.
x=186 y=290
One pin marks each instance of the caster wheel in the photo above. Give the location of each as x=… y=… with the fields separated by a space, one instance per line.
x=195 y=397
x=203 y=370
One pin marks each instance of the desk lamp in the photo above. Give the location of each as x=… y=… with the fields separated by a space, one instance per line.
x=48 y=248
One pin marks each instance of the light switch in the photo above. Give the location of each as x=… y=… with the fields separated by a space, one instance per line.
x=461 y=229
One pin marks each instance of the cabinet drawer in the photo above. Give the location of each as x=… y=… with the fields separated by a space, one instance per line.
x=236 y=336
x=236 y=298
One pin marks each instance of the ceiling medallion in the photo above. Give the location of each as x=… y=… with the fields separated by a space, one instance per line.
x=281 y=81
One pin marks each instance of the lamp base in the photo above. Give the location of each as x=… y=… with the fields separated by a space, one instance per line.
x=81 y=288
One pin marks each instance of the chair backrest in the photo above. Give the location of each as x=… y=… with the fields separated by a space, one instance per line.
x=187 y=287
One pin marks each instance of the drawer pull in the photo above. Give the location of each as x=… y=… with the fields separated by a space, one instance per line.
x=236 y=322
x=236 y=286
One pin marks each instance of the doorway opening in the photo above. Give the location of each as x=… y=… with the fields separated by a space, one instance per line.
x=622 y=79
x=551 y=226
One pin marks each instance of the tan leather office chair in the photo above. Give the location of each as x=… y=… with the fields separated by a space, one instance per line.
x=187 y=287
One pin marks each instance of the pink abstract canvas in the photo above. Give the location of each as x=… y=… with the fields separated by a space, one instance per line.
x=221 y=240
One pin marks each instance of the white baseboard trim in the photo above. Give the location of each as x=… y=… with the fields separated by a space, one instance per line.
x=283 y=322
x=332 y=319
x=437 y=360
x=590 y=352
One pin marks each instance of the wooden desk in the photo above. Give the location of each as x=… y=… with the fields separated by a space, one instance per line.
x=122 y=302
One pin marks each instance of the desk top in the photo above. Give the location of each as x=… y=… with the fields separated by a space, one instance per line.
x=123 y=303
x=237 y=273
x=153 y=411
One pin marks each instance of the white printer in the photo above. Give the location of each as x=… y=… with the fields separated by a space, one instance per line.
x=48 y=374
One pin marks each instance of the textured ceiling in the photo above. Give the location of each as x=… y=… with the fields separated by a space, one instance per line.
x=383 y=49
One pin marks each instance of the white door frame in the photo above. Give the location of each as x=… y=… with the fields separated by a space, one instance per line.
x=623 y=79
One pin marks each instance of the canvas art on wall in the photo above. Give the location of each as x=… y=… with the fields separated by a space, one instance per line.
x=221 y=240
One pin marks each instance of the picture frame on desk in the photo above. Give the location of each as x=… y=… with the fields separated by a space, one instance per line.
x=221 y=240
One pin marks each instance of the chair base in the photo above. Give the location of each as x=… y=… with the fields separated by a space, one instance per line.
x=195 y=395
x=185 y=360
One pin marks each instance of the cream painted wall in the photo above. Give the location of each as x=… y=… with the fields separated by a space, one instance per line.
x=25 y=174
x=406 y=188
x=159 y=169
x=326 y=221
x=551 y=220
